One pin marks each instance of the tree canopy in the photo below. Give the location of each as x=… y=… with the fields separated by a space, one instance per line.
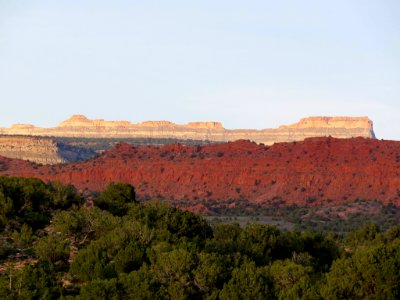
x=53 y=247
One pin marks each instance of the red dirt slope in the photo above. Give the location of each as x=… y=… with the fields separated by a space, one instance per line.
x=313 y=172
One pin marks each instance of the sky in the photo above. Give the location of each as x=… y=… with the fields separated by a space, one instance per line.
x=247 y=64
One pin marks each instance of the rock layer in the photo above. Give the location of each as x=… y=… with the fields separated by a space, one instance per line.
x=80 y=126
x=317 y=171
x=41 y=150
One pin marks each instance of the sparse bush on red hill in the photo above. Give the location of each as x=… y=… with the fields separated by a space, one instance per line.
x=314 y=172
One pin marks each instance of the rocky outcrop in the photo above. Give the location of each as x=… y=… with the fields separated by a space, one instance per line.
x=41 y=150
x=317 y=171
x=80 y=126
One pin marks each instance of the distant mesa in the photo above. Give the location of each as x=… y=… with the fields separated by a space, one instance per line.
x=82 y=121
x=80 y=126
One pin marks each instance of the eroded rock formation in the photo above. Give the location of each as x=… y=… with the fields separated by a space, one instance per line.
x=41 y=150
x=80 y=126
x=317 y=171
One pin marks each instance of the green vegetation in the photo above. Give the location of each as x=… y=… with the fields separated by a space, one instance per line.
x=53 y=246
x=101 y=144
x=340 y=219
x=116 y=198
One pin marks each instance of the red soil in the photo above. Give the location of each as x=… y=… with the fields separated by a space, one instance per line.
x=316 y=171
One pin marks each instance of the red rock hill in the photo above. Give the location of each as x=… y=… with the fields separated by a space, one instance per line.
x=312 y=172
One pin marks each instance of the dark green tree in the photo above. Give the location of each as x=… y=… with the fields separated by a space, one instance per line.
x=53 y=249
x=247 y=282
x=116 y=198
x=101 y=289
x=372 y=272
x=292 y=280
x=141 y=284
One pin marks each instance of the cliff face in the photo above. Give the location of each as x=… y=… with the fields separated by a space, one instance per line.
x=317 y=171
x=40 y=150
x=80 y=126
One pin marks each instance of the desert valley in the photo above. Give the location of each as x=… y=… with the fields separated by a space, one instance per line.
x=216 y=150
x=191 y=182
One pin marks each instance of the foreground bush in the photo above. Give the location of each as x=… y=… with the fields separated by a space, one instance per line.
x=56 y=248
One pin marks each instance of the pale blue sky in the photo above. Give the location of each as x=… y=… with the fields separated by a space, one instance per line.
x=248 y=64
